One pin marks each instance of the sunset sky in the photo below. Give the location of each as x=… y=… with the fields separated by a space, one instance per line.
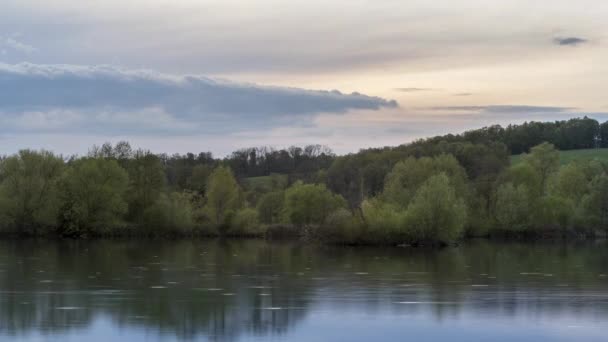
x=186 y=75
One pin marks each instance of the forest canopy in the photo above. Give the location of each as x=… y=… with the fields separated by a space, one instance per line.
x=436 y=190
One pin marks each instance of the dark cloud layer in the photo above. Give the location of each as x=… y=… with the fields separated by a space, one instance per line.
x=569 y=41
x=503 y=109
x=107 y=98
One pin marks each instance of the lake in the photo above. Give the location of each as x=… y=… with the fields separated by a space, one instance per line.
x=253 y=290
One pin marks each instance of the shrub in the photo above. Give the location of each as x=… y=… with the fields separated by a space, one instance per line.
x=245 y=223
x=310 y=204
x=436 y=214
x=172 y=213
x=270 y=207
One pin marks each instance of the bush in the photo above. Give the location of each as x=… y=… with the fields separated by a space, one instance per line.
x=29 y=198
x=341 y=227
x=513 y=207
x=270 y=207
x=384 y=223
x=245 y=223
x=223 y=199
x=310 y=204
x=436 y=214
x=172 y=213
x=93 y=192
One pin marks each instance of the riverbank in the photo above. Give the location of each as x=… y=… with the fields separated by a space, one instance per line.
x=310 y=235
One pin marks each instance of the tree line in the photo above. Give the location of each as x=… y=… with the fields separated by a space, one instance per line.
x=435 y=190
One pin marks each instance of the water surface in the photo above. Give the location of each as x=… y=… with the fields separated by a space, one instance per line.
x=260 y=291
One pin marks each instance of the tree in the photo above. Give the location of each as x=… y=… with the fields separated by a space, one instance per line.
x=384 y=222
x=198 y=180
x=344 y=177
x=545 y=159
x=92 y=191
x=553 y=212
x=525 y=174
x=310 y=204
x=29 y=190
x=223 y=198
x=146 y=183
x=407 y=176
x=245 y=223
x=571 y=182
x=436 y=213
x=270 y=207
x=604 y=135
x=596 y=202
x=513 y=207
x=172 y=213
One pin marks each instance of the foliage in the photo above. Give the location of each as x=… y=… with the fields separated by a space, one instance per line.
x=544 y=158
x=172 y=213
x=310 y=204
x=342 y=226
x=197 y=182
x=430 y=190
x=513 y=207
x=596 y=202
x=384 y=222
x=146 y=183
x=406 y=177
x=223 y=198
x=93 y=191
x=245 y=223
x=436 y=212
x=566 y=157
x=29 y=190
x=270 y=207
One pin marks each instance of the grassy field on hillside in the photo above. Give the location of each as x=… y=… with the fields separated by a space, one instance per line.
x=265 y=183
x=568 y=156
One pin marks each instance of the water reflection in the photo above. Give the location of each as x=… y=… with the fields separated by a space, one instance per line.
x=231 y=290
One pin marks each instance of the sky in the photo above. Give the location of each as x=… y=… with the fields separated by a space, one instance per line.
x=178 y=76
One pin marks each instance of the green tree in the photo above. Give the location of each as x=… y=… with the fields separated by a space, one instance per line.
x=596 y=203
x=146 y=183
x=571 y=182
x=223 y=198
x=527 y=176
x=436 y=212
x=92 y=191
x=407 y=176
x=270 y=207
x=545 y=159
x=245 y=223
x=29 y=190
x=513 y=210
x=310 y=204
x=553 y=212
x=198 y=180
x=384 y=222
x=172 y=213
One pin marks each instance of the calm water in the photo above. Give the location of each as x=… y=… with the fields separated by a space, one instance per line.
x=258 y=291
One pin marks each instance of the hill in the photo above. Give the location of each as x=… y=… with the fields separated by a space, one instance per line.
x=568 y=156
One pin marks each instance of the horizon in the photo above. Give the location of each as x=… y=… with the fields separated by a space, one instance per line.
x=276 y=148
x=220 y=76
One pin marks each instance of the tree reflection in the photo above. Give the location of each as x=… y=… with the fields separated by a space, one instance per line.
x=225 y=289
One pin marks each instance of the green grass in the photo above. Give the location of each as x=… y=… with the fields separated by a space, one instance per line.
x=265 y=183
x=568 y=156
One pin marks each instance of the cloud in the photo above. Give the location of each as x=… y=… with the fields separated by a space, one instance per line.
x=569 y=41
x=11 y=43
x=106 y=99
x=504 y=109
x=413 y=90
x=463 y=94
